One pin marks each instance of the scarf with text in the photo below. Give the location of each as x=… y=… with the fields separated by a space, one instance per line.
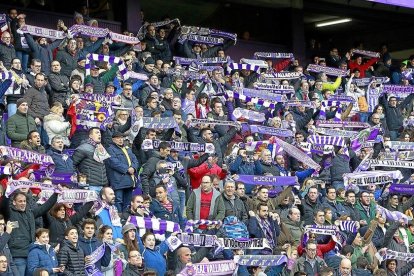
x=179 y=146
x=281 y=76
x=266 y=180
x=370 y=178
x=18 y=184
x=216 y=268
x=327 y=70
x=366 y=53
x=143 y=30
x=268 y=55
x=241 y=113
x=281 y=132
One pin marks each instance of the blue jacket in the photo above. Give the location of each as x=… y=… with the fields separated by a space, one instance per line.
x=161 y=212
x=241 y=167
x=63 y=162
x=90 y=245
x=117 y=168
x=106 y=220
x=154 y=259
x=41 y=256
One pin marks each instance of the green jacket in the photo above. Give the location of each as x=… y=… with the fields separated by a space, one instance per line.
x=18 y=126
x=358 y=253
x=363 y=214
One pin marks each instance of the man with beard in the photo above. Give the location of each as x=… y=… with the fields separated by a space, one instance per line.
x=108 y=212
x=33 y=142
x=136 y=208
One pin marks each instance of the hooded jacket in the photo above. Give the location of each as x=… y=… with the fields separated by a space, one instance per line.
x=41 y=256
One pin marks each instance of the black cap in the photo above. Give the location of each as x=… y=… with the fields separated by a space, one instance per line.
x=117 y=134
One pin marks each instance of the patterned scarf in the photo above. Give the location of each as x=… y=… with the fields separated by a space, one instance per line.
x=100 y=153
x=265 y=226
x=113 y=212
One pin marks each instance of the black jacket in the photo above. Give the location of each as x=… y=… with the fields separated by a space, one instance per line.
x=73 y=258
x=131 y=270
x=57 y=227
x=23 y=236
x=84 y=162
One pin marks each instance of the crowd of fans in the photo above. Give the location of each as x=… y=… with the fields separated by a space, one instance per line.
x=303 y=222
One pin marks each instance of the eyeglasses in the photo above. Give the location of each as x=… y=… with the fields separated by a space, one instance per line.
x=135 y=256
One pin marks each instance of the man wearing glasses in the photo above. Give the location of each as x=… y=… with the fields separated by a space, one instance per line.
x=309 y=263
x=7 y=51
x=135 y=264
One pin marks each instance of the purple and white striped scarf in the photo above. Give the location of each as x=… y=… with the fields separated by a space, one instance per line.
x=158 y=226
x=243 y=66
x=348 y=226
x=189 y=226
x=394 y=216
x=6 y=76
x=204 y=39
x=297 y=154
x=110 y=59
x=254 y=100
x=365 y=53
x=266 y=55
x=325 y=104
x=396 y=255
x=369 y=134
x=326 y=140
x=327 y=70
x=240 y=113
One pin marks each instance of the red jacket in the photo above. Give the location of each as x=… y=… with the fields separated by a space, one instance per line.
x=320 y=248
x=363 y=66
x=197 y=173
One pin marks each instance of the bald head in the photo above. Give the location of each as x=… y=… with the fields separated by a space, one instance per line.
x=345 y=267
x=184 y=255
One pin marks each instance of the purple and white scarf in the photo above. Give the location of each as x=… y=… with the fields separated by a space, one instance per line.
x=243 y=66
x=189 y=226
x=348 y=226
x=260 y=260
x=212 y=60
x=28 y=156
x=404 y=189
x=69 y=196
x=112 y=210
x=101 y=32
x=248 y=114
x=397 y=89
x=325 y=104
x=336 y=132
x=370 y=178
x=296 y=103
x=3 y=22
x=263 y=94
x=367 y=81
x=395 y=255
x=217 y=268
x=366 y=53
x=267 y=180
x=42 y=32
x=159 y=123
x=340 y=124
x=297 y=154
x=110 y=59
x=327 y=70
x=394 y=216
x=365 y=135
x=255 y=100
x=326 y=140
x=282 y=76
x=271 y=131
x=211 y=122
x=397 y=145
x=159 y=226
x=143 y=30
x=267 y=55
x=280 y=89
x=179 y=146
x=18 y=184
x=390 y=163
